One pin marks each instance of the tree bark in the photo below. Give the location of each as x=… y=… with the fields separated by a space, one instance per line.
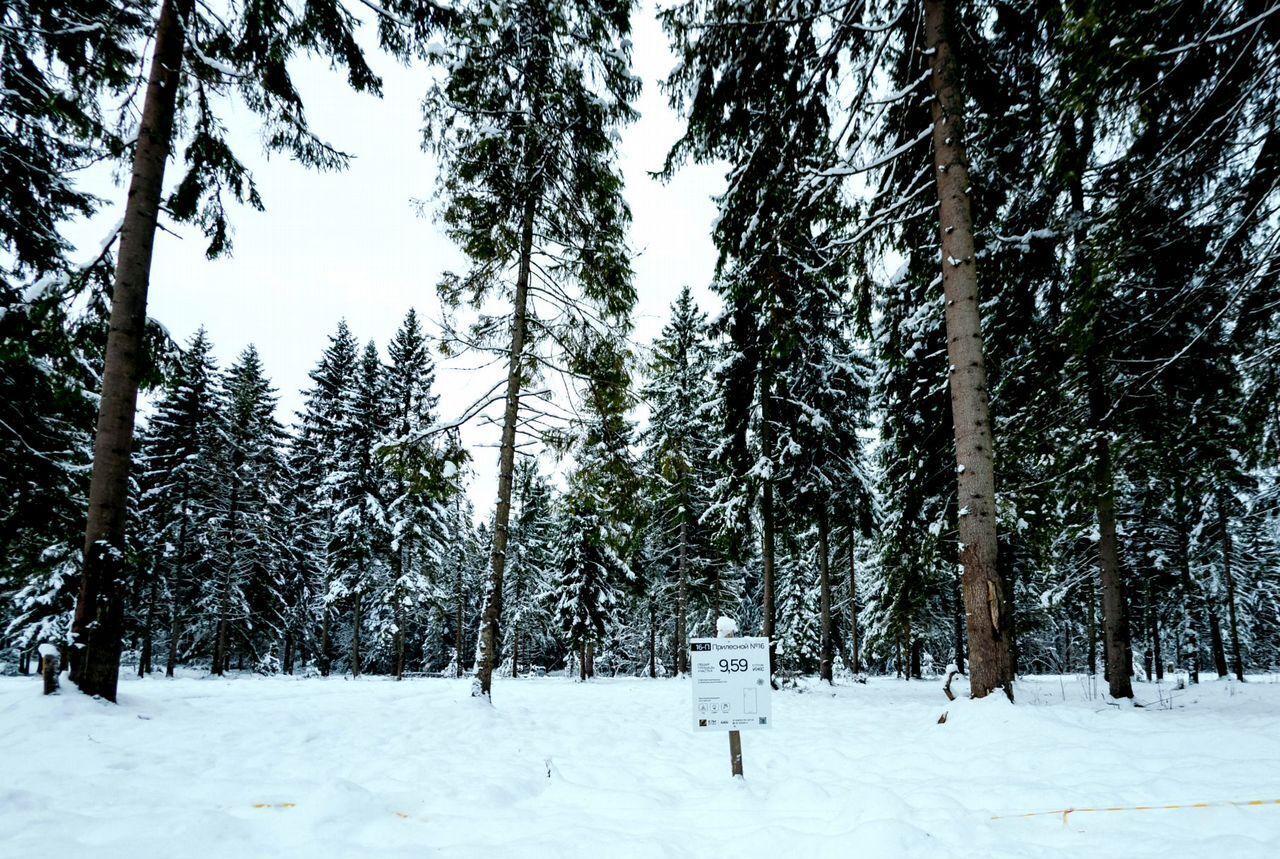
x=827 y=643
x=990 y=668
x=99 y=615
x=492 y=618
x=653 y=640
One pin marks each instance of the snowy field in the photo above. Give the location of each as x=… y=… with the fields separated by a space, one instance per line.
x=278 y=767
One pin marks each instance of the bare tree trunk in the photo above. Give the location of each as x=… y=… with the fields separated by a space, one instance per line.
x=99 y=615
x=1228 y=577
x=827 y=643
x=990 y=668
x=853 y=605
x=682 y=598
x=489 y=626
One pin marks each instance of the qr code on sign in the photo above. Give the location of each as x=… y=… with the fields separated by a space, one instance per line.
x=764 y=720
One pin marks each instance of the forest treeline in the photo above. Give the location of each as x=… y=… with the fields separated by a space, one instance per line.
x=993 y=381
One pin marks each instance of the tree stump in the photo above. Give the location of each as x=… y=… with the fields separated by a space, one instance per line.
x=49 y=668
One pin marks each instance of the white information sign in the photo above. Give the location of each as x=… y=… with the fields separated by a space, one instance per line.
x=730 y=683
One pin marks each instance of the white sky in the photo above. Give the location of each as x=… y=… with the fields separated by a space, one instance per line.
x=351 y=244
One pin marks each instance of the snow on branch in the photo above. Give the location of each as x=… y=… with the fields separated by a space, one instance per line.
x=880 y=161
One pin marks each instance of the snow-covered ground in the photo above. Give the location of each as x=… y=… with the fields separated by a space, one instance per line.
x=280 y=767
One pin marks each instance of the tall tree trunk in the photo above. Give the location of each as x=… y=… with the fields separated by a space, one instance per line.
x=990 y=668
x=767 y=537
x=853 y=605
x=1115 y=614
x=1117 y=644
x=1228 y=577
x=682 y=597
x=99 y=615
x=286 y=661
x=492 y=618
x=827 y=643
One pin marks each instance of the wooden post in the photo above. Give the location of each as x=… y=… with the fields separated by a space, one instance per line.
x=49 y=667
x=725 y=628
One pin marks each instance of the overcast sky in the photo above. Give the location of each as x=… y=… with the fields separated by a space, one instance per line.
x=352 y=244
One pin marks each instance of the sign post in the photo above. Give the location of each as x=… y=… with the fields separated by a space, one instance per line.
x=730 y=686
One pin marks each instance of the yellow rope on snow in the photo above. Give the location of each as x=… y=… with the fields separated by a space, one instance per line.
x=1067 y=812
x=275 y=805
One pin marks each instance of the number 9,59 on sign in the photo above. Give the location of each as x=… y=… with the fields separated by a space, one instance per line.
x=730 y=683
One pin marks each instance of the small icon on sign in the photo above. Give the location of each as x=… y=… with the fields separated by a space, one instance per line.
x=702 y=723
x=702 y=708
x=764 y=720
